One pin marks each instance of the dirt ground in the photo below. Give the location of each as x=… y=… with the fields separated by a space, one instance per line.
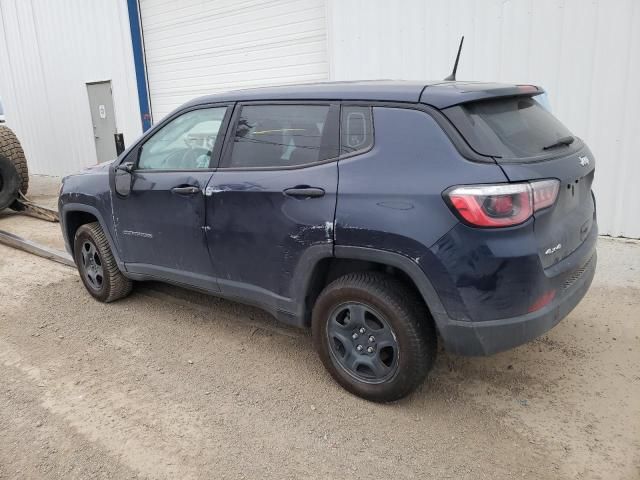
x=173 y=384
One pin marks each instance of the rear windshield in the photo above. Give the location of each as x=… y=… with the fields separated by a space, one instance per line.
x=509 y=128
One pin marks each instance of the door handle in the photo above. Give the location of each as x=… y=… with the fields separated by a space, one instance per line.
x=304 y=191
x=190 y=190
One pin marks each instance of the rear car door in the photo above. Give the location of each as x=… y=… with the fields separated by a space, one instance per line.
x=161 y=223
x=272 y=200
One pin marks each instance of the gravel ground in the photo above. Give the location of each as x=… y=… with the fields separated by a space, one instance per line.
x=173 y=384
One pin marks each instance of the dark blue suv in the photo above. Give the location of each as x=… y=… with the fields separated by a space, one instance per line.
x=383 y=215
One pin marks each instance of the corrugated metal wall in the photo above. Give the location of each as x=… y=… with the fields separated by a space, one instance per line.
x=585 y=53
x=196 y=48
x=49 y=50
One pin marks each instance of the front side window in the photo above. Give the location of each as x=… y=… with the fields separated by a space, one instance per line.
x=185 y=143
x=356 y=129
x=280 y=136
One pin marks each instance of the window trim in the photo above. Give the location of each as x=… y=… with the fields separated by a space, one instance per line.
x=333 y=121
x=215 y=152
x=458 y=141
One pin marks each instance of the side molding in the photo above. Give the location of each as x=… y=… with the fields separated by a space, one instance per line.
x=301 y=280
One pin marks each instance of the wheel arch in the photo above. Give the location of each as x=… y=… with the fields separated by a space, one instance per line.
x=74 y=215
x=346 y=259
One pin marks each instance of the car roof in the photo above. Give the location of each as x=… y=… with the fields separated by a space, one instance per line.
x=440 y=94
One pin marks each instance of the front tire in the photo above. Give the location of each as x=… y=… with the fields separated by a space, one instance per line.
x=374 y=335
x=97 y=267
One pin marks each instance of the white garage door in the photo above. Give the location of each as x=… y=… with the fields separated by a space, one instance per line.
x=197 y=47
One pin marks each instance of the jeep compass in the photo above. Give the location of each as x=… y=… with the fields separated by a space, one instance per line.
x=385 y=216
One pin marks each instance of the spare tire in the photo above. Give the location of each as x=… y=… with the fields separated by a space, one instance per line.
x=9 y=183
x=11 y=149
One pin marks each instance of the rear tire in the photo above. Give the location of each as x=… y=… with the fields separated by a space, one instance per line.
x=11 y=149
x=97 y=267
x=374 y=335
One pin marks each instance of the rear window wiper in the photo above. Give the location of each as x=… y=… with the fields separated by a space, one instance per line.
x=566 y=141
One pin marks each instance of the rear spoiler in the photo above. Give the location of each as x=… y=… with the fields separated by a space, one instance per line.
x=447 y=94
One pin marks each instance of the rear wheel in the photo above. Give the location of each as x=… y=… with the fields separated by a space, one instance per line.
x=97 y=266
x=374 y=336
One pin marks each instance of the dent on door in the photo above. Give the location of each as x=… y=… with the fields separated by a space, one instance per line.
x=260 y=233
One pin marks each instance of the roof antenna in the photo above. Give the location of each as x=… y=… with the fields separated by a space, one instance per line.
x=452 y=77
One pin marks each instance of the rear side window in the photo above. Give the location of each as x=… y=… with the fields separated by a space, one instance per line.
x=356 y=129
x=509 y=128
x=282 y=136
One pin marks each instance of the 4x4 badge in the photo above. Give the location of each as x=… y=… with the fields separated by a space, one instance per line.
x=551 y=250
x=584 y=161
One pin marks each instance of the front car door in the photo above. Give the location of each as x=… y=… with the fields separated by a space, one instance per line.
x=161 y=223
x=271 y=203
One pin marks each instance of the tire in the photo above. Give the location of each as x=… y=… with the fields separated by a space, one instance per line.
x=374 y=310
x=11 y=149
x=97 y=267
x=9 y=183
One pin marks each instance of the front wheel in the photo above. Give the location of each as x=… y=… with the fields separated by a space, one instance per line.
x=374 y=336
x=97 y=266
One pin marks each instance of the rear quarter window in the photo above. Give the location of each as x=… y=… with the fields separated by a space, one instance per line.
x=516 y=128
x=356 y=129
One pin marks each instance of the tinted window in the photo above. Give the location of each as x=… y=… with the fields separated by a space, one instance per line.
x=356 y=129
x=186 y=143
x=280 y=136
x=509 y=128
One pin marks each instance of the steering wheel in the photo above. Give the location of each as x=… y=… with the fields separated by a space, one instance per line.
x=185 y=158
x=174 y=159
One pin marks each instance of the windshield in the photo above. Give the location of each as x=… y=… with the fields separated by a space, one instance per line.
x=510 y=128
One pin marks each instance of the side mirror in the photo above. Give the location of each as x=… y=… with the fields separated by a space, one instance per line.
x=125 y=167
x=124 y=179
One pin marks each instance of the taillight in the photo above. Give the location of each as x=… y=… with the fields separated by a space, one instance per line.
x=502 y=205
x=545 y=193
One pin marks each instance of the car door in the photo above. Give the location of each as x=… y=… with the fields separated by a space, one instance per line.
x=161 y=223
x=273 y=198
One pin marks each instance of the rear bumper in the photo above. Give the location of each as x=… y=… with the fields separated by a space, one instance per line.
x=488 y=337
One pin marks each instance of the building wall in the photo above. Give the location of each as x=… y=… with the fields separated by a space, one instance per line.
x=49 y=50
x=195 y=48
x=585 y=53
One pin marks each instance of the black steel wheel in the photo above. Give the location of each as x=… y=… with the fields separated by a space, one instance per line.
x=92 y=265
x=97 y=266
x=362 y=342
x=374 y=335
